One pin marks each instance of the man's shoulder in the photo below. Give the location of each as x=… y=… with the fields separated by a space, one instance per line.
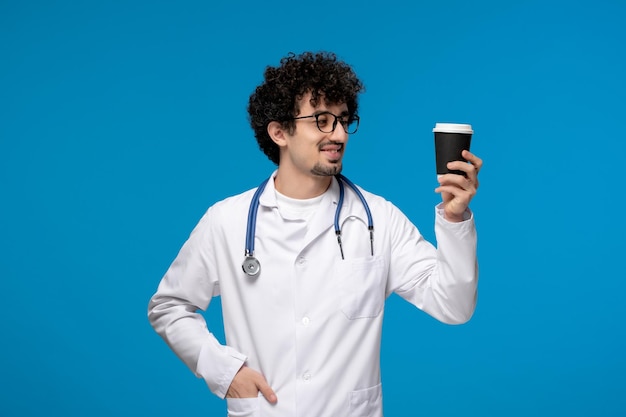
x=234 y=202
x=223 y=213
x=374 y=199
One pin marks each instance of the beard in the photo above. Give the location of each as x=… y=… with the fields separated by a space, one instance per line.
x=326 y=171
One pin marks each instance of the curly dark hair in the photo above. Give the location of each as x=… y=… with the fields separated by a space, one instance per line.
x=276 y=99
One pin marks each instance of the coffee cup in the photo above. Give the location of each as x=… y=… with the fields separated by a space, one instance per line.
x=451 y=139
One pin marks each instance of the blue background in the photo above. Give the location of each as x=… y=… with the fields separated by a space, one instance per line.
x=122 y=121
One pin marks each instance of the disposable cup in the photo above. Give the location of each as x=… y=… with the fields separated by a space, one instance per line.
x=451 y=139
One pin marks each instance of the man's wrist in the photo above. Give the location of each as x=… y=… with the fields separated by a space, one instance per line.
x=454 y=218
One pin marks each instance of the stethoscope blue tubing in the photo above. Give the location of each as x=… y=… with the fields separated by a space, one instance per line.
x=370 y=222
x=254 y=208
x=252 y=212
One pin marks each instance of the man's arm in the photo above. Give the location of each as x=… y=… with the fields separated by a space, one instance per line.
x=188 y=286
x=441 y=281
x=185 y=331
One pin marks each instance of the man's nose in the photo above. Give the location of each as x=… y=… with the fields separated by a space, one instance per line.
x=339 y=134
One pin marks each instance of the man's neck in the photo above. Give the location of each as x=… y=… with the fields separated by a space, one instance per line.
x=300 y=186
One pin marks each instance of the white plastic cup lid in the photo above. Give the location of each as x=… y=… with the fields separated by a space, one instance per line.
x=453 y=128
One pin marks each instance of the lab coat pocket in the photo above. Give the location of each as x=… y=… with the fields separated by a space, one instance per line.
x=244 y=407
x=362 y=287
x=367 y=402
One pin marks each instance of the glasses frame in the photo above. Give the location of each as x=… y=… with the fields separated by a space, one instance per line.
x=352 y=118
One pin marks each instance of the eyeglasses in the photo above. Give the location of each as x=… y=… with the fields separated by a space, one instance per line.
x=323 y=120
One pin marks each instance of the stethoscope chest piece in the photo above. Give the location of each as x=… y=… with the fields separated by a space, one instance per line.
x=251 y=266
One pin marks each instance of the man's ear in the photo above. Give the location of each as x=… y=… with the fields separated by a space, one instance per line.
x=277 y=133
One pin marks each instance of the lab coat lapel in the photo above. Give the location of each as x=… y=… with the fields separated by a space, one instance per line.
x=324 y=217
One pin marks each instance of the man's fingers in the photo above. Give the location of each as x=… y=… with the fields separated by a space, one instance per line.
x=473 y=159
x=248 y=383
x=264 y=388
x=267 y=391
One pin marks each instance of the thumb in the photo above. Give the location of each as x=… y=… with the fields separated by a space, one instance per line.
x=267 y=391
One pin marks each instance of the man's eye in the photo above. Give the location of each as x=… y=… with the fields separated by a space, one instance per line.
x=323 y=119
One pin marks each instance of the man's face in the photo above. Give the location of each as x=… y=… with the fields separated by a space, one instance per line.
x=310 y=151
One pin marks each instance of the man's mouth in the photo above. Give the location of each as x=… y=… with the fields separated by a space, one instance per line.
x=333 y=151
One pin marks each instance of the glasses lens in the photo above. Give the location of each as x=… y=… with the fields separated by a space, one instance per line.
x=327 y=122
x=351 y=124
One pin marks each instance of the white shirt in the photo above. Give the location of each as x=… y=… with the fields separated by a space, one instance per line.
x=310 y=322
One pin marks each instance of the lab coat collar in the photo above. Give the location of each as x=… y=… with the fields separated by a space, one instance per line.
x=326 y=214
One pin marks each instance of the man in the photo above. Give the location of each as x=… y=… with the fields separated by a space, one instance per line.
x=303 y=325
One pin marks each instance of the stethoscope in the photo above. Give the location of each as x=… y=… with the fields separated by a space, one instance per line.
x=252 y=266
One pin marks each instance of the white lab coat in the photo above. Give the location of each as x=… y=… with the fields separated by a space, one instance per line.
x=310 y=322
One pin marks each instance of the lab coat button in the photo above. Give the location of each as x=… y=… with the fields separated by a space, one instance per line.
x=306 y=376
x=306 y=321
x=301 y=261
